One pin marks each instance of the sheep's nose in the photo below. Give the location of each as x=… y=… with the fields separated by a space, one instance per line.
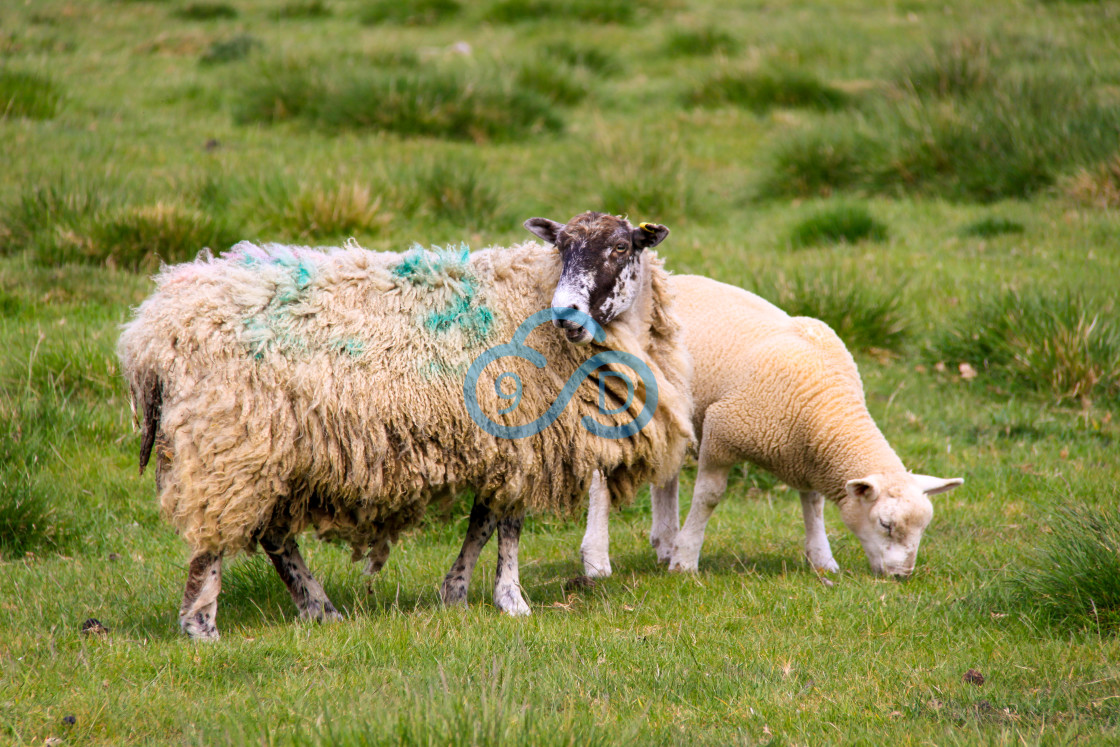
x=562 y=319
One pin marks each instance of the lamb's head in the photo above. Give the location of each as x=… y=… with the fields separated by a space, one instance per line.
x=603 y=262
x=888 y=512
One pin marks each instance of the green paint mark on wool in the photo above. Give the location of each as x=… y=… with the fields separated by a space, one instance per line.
x=422 y=267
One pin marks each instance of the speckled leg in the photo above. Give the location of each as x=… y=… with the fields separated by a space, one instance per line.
x=711 y=482
x=198 y=614
x=665 y=521
x=595 y=551
x=378 y=554
x=458 y=579
x=507 y=583
x=817 y=549
x=306 y=592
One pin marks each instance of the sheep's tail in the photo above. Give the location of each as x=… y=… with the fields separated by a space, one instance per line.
x=151 y=402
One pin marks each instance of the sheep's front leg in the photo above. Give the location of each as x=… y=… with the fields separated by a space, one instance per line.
x=378 y=554
x=595 y=550
x=711 y=482
x=507 y=584
x=458 y=579
x=665 y=520
x=306 y=592
x=199 y=612
x=817 y=549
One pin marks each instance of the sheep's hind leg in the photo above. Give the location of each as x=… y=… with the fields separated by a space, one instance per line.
x=507 y=584
x=306 y=591
x=817 y=549
x=711 y=482
x=458 y=579
x=665 y=521
x=595 y=550
x=198 y=614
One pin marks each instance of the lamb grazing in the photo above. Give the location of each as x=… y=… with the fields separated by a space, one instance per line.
x=282 y=388
x=782 y=393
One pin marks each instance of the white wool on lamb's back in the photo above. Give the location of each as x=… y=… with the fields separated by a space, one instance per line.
x=298 y=387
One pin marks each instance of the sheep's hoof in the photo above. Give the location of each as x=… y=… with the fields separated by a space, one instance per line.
x=596 y=566
x=199 y=630
x=825 y=565
x=453 y=594
x=664 y=549
x=512 y=604
x=676 y=566
x=321 y=615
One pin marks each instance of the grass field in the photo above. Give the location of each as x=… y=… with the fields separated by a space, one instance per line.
x=938 y=181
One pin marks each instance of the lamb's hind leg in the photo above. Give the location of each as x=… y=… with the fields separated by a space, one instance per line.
x=595 y=551
x=711 y=482
x=817 y=549
x=507 y=583
x=198 y=614
x=306 y=591
x=481 y=526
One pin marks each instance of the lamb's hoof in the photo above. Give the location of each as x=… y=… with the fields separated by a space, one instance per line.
x=684 y=566
x=511 y=603
x=664 y=550
x=825 y=565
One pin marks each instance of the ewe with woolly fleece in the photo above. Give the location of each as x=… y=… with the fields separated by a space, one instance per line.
x=784 y=394
x=285 y=387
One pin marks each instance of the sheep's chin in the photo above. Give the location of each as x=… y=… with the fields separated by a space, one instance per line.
x=578 y=336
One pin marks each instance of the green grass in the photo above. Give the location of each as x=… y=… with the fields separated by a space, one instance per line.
x=204 y=11
x=702 y=41
x=233 y=49
x=963 y=122
x=761 y=91
x=410 y=12
x=24 y=94
x=837 y=224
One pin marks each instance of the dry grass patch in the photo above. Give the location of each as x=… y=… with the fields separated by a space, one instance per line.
x=348 y=208
x=1096 y=187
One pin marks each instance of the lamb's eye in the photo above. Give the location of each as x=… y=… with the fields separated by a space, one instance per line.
x=885 y=525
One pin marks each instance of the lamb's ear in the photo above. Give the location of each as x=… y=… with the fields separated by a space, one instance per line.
x=865 y=489
x=648 y=235
x=544 y=228
x=933 y=485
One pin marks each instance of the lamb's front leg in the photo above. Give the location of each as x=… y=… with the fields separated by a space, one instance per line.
x=595 y=550
x=817 y=549
x=507 y=583
x=665 y=518
x=199 y=612
x=306 y=591
x=458 y=579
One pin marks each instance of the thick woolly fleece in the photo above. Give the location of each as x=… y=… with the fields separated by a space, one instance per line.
x=783 y=393
x=287 y=387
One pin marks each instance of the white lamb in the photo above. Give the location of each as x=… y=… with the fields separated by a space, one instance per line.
x=782 y=393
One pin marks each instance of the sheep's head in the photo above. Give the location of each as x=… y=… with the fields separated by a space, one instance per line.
x=889 y=512
x=602 y=259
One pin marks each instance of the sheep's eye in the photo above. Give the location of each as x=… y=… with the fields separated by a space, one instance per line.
x=621 y=247
x=885 y=525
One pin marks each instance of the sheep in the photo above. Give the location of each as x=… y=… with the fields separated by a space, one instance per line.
x=281 y=388
x=782 y=393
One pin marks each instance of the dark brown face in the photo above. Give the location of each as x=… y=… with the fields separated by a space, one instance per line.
x=602 y=265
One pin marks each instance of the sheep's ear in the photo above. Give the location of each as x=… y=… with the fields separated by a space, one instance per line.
x=544 y=228
x=934 y=485
x=866 y=489
x=648 y=235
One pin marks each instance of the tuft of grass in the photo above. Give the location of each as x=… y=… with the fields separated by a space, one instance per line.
x=957 y=68
x=303 y=9
x=586 y=11
x=867 y=313
x=467 y=105
x=1097 y=186
x=559 y=84
x=206 y=11
x=1073 y=582
x=28 y=95
x=409 y=12
x=1042 y=342
x=702 y=41
x=49 y=219
x=346 y=209
x=763 y=90
x=991 y=226
x=26 y=521
x=451 y=189
x=230 y=50
x=837 y=224
x=817 y=161
x=141 y=237
x=591 y=58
